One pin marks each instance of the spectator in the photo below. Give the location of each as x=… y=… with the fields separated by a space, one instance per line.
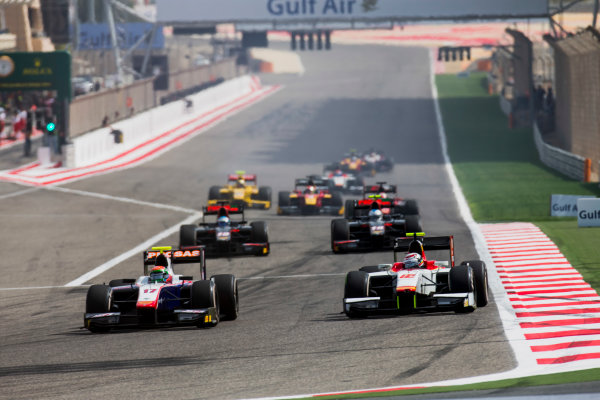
x=19 y=122
x=2 y=122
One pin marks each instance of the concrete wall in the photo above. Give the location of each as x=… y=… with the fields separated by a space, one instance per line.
x=560 y=160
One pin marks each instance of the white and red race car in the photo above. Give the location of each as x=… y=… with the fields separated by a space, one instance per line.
x=178 y=300
x=435 y=286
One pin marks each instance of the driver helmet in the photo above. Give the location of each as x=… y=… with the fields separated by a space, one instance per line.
x=223 y=221
x=413 y=260
x=241 y=181
x=375 y=215
x=159 y=274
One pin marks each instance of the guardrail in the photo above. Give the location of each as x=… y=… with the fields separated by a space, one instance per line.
x=95 y=110
x=570 y=164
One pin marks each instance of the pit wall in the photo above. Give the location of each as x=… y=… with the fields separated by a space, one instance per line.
x=100 y=145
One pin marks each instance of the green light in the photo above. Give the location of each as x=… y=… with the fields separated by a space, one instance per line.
x=50 y=127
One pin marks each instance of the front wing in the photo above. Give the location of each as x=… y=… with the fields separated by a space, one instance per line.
x=437 y=302
x=201 y=316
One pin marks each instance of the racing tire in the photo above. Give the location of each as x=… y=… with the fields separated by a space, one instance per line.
x=284 y=199
x=227 y=287
x=340 y=230
x=265 y=194
x=370 y=268
x=337 y=201
x=411 y=207
x=349 y=209
x=481 y=281
x=260 y=234
x=460 y=280
x=121 y=282
x=214 y=193
x=204 y=294
x=98 y=300
x=187 y=235
x=412 y=224
x=357 y=285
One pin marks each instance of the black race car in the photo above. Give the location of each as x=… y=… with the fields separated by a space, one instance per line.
x=370 y=229
x=226 y=237
x=160 y=297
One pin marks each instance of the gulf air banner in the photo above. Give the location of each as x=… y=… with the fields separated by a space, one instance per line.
x=343 y=10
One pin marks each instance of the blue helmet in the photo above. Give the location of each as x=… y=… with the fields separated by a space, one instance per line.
x=223 y=221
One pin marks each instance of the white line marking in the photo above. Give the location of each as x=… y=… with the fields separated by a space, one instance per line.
x=20 y=192
x=133 y=252
x=122 y=199
x=38 y=288
x=290 y=276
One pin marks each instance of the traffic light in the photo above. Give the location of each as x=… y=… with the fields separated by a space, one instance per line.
x=447 y=53
x=50 y=127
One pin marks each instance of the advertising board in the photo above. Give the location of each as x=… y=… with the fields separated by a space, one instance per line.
x=564 y=205
x=588 y=213
x=97 y=36
x=356 y=10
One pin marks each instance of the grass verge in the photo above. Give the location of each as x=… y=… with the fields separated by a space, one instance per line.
x=500 y=173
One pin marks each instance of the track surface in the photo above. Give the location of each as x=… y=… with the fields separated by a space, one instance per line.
x=291 y=337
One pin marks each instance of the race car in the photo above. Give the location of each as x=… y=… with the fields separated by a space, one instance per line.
x=378 y=160
x=311 y=196
x=384 y=195
x=370 y=229
x=162 y=298
x=352 y=163
x=417 y=284
x=343 y=182
x=225 y=236
x=241 y=190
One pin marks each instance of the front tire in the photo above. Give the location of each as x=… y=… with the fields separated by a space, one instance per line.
x=98 y=300
x=357 y=285
x=214 y=193
x=260 y=234
x=481 y=281
x=460 y=280
x=204 y=295
x=227 y=287
x=265 y=194
x=340 y=230
x=349 y=209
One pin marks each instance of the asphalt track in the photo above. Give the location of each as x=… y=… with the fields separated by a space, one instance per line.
x=291 y=337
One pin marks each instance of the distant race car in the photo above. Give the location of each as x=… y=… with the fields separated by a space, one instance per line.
x=160 y=297
x=241 y=190
x=370 y=229
x=352 y=163
x=343 y=182
x=403 y=287
x=384 y=195
x=225 y=236
x=378 y=160
x=311 y=196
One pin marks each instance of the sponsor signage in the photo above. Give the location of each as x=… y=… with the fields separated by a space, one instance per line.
x=588 y=213
x=97 y=36
x=565 y=205
x=355 y=10
x=36 y=71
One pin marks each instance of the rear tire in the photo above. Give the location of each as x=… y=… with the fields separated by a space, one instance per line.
x=340 y=230
x=357 y=285
x=227 y=288
x=460 y=280
x=214 y=193
x=336 y=199
x=411 y=207
x=481 y=281
x=412 y=224
x=187 y=235
x=121 y=282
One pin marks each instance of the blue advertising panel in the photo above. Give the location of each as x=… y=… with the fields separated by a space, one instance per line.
x=97 y=36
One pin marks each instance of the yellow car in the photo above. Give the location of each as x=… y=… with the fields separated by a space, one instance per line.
x=241 y=189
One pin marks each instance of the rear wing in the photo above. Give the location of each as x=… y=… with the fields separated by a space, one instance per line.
x=415 y=241
x=183 y=255
x=369 y=203
x=246 y=177
x=222 y=208
x=380 y=187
